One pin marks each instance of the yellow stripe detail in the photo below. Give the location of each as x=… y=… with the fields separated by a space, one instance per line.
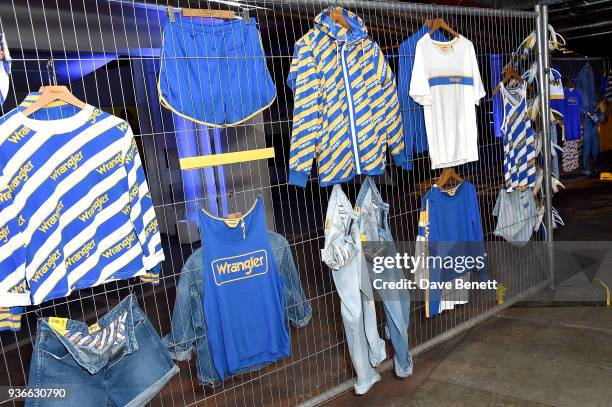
x=298 y=156
x=348 y=171
x=335 y=155
x=607 y=292
x=323 y=168
x=6 y=324
x=304 y=166
x=375 y=163
x=306 y=125
x=339 y=166
x=204 y=161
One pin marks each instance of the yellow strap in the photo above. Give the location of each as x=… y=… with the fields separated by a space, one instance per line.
x=605 y=176
x=203 y=161
x=607 y=292
x=59 y=324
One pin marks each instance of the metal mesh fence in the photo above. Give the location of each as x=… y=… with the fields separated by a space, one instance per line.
x=108 y=53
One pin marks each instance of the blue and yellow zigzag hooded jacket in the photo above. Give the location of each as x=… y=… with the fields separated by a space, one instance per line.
x=346 y=108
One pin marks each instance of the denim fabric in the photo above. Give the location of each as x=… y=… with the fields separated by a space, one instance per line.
x=374 y=212
x=590 y=145
x=586 y=84
x=342 y=253
x=127 y=371
x=188 y=327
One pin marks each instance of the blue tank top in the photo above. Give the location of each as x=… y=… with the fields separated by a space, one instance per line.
x=243 y=292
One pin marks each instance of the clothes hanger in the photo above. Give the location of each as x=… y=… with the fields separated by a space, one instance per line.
x=440 y=24
x=53 y=92
x=448 y=174
x=209 y=13
x=510 y=73
x=337 y=16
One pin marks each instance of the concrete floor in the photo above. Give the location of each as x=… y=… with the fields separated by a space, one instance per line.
x=525 y=356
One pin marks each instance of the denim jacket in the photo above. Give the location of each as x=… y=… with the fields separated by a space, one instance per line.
x=188 y=327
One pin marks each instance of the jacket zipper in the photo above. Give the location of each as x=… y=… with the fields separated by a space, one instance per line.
x=351 y=114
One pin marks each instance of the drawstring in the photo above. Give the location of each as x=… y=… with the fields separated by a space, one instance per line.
x=337 y=54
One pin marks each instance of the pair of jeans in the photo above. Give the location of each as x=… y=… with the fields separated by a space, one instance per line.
x=590 y=145
x=188 y=326
x=342 y=253
x=374 y=228
x=118 y=361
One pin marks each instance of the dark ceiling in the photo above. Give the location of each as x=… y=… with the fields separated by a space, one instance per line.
x=585 y=24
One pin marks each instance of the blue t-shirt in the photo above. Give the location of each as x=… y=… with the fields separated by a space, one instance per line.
x=455 y=230
x=573 y=102
x=413 y=119
x=243 y=293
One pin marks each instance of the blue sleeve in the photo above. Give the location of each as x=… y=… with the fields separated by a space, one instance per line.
x=307 y=113
x=404 y=73
x=393 y=119
x=479 y=249
x=14 y=291
x=142 y=212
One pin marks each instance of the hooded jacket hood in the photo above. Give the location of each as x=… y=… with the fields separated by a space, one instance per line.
x=324 y=22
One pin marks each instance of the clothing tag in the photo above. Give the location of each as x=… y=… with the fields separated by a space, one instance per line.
x=451 y=192
x=363 y=237
x=93 y=328
x=328 y=223
x=358 y=210
x=59 y=324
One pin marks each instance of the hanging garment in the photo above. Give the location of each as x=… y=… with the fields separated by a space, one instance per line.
x=557 y=95
x=591 y=143
x=346 y=111
x=5 y=68
x=571 y=155
x=496 y=61
x=342 y=253
x=571 y=120
x=586 y=84
x=188 y=332
x=415 y=137
x=519 y=139
x=449 y=225
x=449 y=298
x=75 y=208
x=377 y=241
x=446 y=81
x=516 y=216
x=117 y=361
x=243 y=293
x=214 y=72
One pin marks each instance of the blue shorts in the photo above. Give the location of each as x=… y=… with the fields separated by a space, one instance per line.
x=122 y=362
x=214 y=73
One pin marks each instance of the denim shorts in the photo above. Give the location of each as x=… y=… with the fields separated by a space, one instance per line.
x=214 y=73
x=122 y=362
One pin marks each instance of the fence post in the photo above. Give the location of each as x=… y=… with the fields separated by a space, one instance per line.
x=544 y=79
